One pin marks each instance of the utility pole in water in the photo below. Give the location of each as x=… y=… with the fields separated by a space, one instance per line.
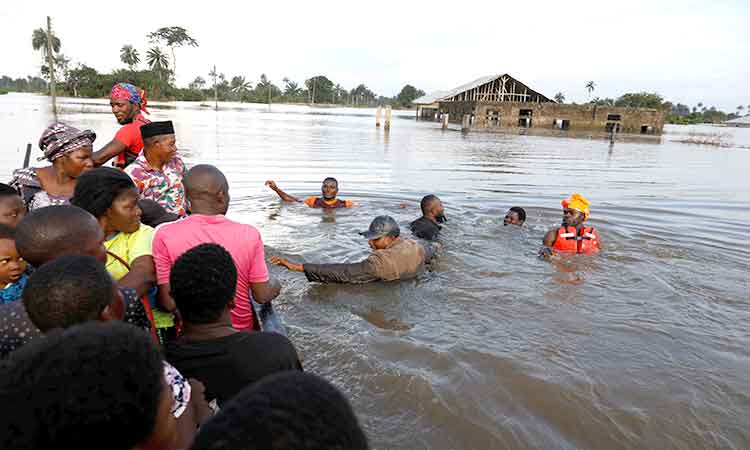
x=50 y=62
x=216 y=91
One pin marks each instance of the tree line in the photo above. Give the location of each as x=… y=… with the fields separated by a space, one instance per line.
x=155 y=71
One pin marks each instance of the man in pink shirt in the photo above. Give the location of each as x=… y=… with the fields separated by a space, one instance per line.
x=207 y=191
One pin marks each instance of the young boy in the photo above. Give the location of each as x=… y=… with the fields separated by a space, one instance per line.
x=12 y=208
x=13 y=275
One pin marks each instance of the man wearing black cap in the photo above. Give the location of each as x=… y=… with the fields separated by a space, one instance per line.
x=393 y=258
x=158 y=171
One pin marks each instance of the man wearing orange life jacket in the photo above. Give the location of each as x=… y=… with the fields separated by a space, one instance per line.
x=573 y=236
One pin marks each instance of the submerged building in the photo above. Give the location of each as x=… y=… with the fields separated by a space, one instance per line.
x=502 y=103
x=740 y=122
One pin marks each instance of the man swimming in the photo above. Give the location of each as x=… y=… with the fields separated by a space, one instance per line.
x=573 y=236
x=329 y=190
x=427 y=227
x=515 y=216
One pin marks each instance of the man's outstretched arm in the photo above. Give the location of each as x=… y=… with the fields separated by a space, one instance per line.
x=283 y=195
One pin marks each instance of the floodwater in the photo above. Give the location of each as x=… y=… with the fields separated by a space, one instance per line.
x=645 y=346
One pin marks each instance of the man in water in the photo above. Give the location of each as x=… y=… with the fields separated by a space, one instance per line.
x=329 y=190
x=573 y=236
x=128 y=103
x=207 y=190
x=158 y=171
x=427 y=227
x=515 y=216
x=393 y=258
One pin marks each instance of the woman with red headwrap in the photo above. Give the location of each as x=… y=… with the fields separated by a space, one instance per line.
x=127 y=102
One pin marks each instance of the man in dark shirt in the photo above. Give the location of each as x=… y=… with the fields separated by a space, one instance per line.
x=427 y=227
x=202 y=283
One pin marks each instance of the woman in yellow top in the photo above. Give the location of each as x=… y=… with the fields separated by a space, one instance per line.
x=111 y=196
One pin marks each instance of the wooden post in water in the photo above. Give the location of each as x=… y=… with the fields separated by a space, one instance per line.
x=378 y=112
x=387 y=118
x=27 y=157
x=445 y=121
x=51 y=64
x=466 y=123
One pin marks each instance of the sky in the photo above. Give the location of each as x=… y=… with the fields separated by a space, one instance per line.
x=688 y=51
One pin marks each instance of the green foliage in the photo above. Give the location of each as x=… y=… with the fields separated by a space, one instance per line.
x=129 y=56
x=641 y=100
x=29 y=84
x=408 y=94
x=321 y=89
x=560 y=97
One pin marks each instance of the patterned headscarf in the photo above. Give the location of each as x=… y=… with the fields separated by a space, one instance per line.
x=60 y=139
x=126 y=91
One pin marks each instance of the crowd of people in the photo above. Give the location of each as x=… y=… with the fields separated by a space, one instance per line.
x=129 y=316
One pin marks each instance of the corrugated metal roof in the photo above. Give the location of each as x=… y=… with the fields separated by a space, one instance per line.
x=741 y=120
x=429 y=98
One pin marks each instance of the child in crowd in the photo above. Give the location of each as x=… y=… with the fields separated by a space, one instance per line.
x=13 y=275
x=12 y=208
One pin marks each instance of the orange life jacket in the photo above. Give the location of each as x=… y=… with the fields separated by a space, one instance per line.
x=587 y=241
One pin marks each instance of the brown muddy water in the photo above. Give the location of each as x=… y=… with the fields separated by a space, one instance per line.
x=645 y=346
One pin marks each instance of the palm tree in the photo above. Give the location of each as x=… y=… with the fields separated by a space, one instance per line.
x=213 y=74
x=129 y=56
x=240 y=85
x=590 y=86
x=291 y=88
x=157 y=61
x=739 y=110
x=560 y=97
x=39 y=42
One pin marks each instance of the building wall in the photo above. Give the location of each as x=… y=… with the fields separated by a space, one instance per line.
x=544 y=115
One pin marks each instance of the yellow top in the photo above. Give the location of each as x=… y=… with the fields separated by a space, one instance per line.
x=128 y=246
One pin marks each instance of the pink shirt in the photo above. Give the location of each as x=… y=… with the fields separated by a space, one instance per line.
x=242 y=241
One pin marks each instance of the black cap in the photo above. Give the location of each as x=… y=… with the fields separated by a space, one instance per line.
x=156 y=129
x=153 y=214
x=382 y=226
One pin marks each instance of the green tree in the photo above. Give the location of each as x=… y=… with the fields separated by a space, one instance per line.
x=240 y=87
x=590 y=86
x=560 y=97
x=408 y=94
x=173 y=37
x=361 y=95
x=198 y=84
x=265 y=90
x=157 y=61
x=320 y=87
x=129 y=56
x=291 y=89
x=39 y=42
x=641 y=100
x=739 y=110
x=83 y=80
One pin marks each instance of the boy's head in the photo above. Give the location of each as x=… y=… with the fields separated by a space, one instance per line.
x=203 y=281
x=47 y=233
x=70 y=290
x=330 y=188
x=12 y=208
x=92 y=386
x=12 y=266
x=515 y=216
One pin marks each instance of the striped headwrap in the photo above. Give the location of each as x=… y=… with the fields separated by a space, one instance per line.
x=60 y=139
x=126 y=91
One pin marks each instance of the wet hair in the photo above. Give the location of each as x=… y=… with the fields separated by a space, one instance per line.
x=7 y=232
x=6 y=190
x=427 y=200
x=47 y=232
x=67 y=291
x=331 y=179
x=202 y=282
x=98 y=188
x=88 y=387
x=286 y=411
x=520 y=211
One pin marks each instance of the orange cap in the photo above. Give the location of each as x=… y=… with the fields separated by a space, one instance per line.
x=577 y=202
